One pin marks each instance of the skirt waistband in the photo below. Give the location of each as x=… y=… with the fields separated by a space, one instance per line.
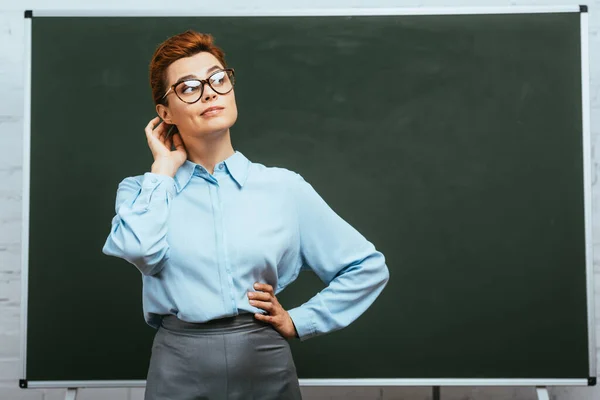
x=237 y=323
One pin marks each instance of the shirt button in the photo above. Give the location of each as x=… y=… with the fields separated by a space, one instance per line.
x=153 y=180
x=220 y=166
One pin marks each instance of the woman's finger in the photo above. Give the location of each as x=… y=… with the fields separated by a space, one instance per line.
x=177 y=142
x=158 y=130
x=263 y=305
x=156 y=144
x=163 y=127
x=153 y=139
x=150 y=126
x=265 y=318
x=259 y=296
x=162 y=136
x=263 y=287
x=150 y=129
x=150 y=138
x=168 y=130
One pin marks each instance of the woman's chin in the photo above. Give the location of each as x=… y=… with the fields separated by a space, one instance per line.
x=211 y=131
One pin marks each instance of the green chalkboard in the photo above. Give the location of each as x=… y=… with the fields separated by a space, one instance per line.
x=454 y=143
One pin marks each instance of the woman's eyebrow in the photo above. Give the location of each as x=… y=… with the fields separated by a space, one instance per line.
x=183 y=78
x=213 y=68
x=192 y=76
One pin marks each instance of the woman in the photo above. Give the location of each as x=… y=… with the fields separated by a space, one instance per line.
x=217 y=236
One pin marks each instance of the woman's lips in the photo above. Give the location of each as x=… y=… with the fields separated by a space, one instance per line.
x=212 y=111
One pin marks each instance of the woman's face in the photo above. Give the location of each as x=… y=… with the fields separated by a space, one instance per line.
x=194 y=119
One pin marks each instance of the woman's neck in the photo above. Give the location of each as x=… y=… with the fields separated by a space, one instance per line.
x=209 y=150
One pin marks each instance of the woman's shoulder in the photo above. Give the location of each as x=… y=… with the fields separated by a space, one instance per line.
x=276 y=174
x=135 y=181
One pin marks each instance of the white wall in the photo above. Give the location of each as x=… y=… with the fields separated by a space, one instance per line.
x=11 y=127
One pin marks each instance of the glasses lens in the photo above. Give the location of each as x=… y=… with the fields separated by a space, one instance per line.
x=189 y=91
x=221 y=81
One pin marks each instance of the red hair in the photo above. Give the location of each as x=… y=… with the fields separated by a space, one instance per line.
x=183 y=45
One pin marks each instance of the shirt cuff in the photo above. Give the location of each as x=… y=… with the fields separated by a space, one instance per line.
x=304 y=322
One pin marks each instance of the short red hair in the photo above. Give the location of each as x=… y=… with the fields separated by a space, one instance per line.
x=183 y=45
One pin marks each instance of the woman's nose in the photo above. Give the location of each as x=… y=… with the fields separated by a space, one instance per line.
x=209 y=93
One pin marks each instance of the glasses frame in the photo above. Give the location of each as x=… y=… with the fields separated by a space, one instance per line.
x=202 y=82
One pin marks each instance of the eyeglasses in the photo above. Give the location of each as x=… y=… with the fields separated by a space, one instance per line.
x=190 y=90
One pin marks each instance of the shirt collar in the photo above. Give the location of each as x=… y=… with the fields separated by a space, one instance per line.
x=237 y=165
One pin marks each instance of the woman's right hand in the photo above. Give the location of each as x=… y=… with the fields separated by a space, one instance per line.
x=166 y=161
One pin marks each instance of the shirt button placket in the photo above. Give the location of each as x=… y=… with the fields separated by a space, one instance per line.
x=222 y=250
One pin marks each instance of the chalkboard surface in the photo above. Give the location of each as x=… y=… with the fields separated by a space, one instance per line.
x=452 y=142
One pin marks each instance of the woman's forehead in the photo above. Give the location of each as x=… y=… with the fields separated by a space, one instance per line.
x=198 y=65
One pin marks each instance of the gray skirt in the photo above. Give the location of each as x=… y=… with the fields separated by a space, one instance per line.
x=226 y=359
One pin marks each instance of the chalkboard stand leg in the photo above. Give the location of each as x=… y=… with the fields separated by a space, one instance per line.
x=71 y=394
x=436 y=393
x=542 y=393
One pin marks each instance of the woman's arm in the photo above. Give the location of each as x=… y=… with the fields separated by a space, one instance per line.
x=139 y=228
x=353 y=269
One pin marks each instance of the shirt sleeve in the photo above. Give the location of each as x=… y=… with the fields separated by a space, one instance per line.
x=354 y=271
x=139 y=228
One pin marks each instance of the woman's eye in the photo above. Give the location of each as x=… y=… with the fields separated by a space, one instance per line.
x=190 y=87
x=218 y=78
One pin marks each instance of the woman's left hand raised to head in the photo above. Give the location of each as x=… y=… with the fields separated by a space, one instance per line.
x=264 y=298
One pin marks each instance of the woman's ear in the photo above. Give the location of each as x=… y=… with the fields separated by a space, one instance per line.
x=163 y=113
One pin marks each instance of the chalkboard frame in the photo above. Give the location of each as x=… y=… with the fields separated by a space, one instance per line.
x=322 y=12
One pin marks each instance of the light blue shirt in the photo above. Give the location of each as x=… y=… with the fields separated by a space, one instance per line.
x=202 y=240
